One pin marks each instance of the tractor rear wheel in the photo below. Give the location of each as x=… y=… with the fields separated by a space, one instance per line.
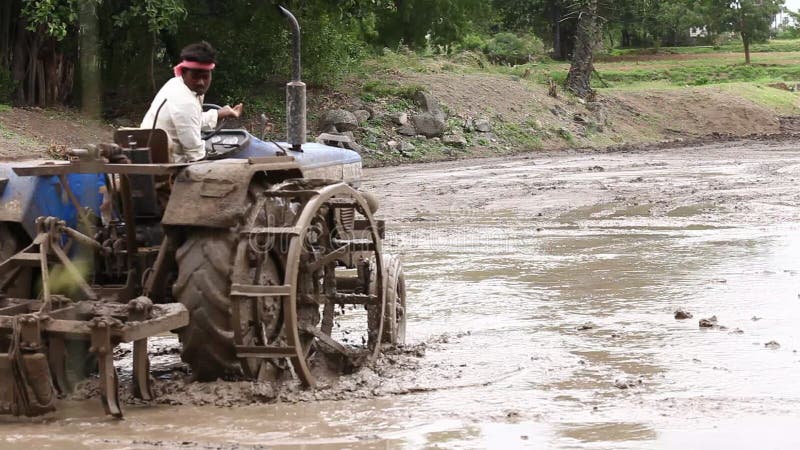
x=205 y=261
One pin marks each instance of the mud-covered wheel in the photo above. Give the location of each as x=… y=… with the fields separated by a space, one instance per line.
x=204 y=268
x=394 y=321
x=311 y=325
x=207 y=267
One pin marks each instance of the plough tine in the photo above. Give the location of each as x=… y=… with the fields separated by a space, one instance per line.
x=141 y=371
x=57 y=359
x=109 y=382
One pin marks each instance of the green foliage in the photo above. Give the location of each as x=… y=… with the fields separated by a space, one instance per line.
x=52 y=17
x=473 y=42
x=160 y=15
x=508 y=48
x=7 y=86
x=417 y=23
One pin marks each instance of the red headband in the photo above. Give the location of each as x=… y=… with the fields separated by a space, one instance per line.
x=192 y=65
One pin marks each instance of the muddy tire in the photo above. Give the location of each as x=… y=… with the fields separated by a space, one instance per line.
x=205 y=262
x=394 y=320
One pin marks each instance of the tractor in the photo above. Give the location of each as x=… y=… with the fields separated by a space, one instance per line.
x=265 y=258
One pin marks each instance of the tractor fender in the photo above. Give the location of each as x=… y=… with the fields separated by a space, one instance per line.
x=214 y=193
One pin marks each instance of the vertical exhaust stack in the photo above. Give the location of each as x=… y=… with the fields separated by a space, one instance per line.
x=295 y=91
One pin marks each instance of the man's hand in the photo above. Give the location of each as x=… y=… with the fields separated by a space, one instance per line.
x=226 y=111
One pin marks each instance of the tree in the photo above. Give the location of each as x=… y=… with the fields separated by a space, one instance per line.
x=548 y=19
x=751 y=19
x=586 y=39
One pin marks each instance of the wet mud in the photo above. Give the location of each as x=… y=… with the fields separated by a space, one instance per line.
x=557 y=300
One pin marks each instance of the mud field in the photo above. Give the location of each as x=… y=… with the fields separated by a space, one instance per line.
x=543 y=293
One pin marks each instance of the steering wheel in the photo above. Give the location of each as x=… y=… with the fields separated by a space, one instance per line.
x=206 y=135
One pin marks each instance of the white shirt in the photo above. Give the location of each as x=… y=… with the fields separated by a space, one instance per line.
x=182 y=117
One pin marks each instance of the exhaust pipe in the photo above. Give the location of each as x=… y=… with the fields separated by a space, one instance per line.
x=295 y=91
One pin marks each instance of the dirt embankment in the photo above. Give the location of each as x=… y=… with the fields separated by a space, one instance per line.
x=522 y=115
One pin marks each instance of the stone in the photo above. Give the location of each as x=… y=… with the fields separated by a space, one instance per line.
x=711 y=322
x=774 y=345
x=469 y=125
x=428 y=103
x=392 y=145
x=483 y=125
x=362 y=116
x=682 y=314
x=454 y=140
x=399 y=119
x=341 y=119
x=407 y=130
x=429 y=125
x=406 y=147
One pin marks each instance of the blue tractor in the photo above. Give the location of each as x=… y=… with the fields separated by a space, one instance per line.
x=265 y=258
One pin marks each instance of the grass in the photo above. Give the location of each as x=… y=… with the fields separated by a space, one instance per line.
x=4 y=107
x=782 y=45
x=781 y=101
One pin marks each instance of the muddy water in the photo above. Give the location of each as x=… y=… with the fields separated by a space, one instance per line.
x=544 y=290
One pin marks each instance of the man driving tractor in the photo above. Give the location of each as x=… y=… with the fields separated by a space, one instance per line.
x=178 y=106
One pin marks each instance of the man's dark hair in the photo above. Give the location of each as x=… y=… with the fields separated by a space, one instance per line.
x=201 y=52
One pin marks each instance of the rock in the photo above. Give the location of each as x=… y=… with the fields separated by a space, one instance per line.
x=454 y=140
x=585 y=326
x=483 y=125
x=580 y=118
x=774 y=345
x=362 y=116
x=469 y=125
x=711 y=322
x=737 y=331
x=755 y=318
x=682 y=314
x=428 y=124
x=399 y=119
x=392 y=145
x=627 y=383
x=339 y=118
x=428 y=103
x=597 y=169
x=406 y=147
x=407 y=130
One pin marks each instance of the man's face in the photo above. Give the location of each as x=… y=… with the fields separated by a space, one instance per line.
x=197 y=80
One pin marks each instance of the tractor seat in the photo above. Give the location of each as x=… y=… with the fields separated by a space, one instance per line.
x=157 y=139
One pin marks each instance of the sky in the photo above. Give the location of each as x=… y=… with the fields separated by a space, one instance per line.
x=793 y=5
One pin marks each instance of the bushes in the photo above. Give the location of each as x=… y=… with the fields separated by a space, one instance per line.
x=508 y=48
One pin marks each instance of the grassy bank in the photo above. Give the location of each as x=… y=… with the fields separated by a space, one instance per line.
x=644 y=96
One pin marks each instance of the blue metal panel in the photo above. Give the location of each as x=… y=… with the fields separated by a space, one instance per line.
x=26 y=198
x=313 y=155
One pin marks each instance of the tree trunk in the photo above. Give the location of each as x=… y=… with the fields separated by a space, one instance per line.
x=582 y=66
x=746 y=42
x=557 y=50
x=151 y=75
x=90 y=60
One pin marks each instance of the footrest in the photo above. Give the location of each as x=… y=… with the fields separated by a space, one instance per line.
x=357 y=245
x=253 y=290
x=304 y=194
x=246 y=351
x=276 y=231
